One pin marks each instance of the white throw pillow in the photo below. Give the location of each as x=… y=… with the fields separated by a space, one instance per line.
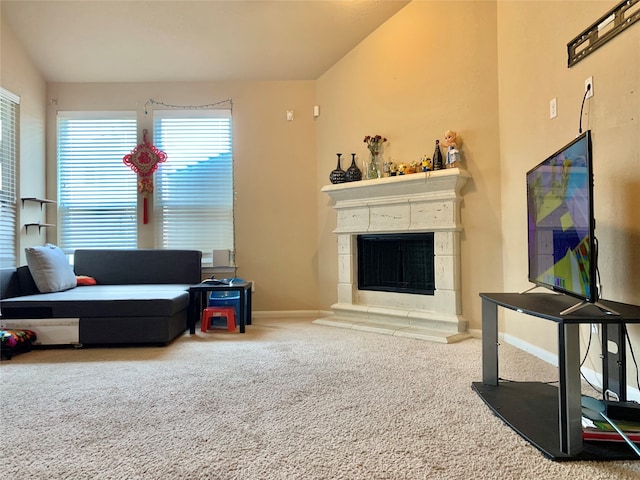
x=50 y=269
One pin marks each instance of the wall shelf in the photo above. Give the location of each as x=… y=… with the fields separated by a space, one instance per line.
x=39 y=225
x=41 y=201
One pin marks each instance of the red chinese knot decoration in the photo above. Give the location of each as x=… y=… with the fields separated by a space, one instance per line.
x=144 y=160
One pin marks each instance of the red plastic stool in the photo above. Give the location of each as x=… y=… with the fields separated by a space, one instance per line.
x=210 y=312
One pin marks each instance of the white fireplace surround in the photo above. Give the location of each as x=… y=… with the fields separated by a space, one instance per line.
x=419 y=202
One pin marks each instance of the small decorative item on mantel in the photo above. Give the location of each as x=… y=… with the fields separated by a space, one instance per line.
x=338 y=175
x=353 y=172
x=426 y=163
x=386 y=170
x=393 y=170
x=437 y=157
x=452 y=141
x=374 y=144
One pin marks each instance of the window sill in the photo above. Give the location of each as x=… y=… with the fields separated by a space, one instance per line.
x=218 y=272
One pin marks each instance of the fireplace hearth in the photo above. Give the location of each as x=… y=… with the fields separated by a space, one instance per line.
x=425 y=205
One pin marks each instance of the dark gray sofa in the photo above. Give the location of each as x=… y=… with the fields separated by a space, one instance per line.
x=141 y=296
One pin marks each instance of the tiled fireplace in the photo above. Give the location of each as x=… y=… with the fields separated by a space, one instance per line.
x=419 y=202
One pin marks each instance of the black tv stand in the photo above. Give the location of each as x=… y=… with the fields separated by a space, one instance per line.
x=547 y=416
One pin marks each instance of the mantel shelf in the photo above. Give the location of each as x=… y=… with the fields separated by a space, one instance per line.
x=400 y=187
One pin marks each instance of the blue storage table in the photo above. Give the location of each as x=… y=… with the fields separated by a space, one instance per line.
x=198 y=300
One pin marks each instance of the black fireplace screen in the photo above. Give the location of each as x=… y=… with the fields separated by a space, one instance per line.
x=396 y=263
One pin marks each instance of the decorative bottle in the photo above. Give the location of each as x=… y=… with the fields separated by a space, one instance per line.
x=338 y=175
x=438 y=163
x=353 y=172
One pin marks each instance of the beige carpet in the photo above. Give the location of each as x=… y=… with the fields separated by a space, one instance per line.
x=287 y=400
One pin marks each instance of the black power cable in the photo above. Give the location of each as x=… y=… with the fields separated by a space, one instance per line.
x=582 y=107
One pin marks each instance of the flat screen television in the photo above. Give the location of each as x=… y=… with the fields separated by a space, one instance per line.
x=562 y=243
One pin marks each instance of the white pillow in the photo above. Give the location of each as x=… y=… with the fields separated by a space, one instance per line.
x=50 y=269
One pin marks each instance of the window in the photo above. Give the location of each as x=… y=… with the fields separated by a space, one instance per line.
x=193 y=201
x=8 y=154
x=97 y=192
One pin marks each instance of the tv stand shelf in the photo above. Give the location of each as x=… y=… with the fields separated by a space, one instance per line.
x=550 y=417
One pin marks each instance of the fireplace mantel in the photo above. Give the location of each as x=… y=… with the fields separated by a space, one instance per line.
x=396 y=189
x=419 y=202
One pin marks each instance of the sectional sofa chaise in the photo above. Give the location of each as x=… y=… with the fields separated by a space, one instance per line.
x=139 y=296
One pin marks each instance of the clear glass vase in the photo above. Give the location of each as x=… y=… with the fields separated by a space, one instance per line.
x=372 y=170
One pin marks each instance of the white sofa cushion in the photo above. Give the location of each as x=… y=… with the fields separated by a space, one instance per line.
x=50 y=269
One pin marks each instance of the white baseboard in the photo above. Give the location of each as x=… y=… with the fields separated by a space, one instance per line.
x=475 y=333
x=538 y=352
x=287 y=314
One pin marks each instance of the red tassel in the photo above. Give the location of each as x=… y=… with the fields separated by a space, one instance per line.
x=145 y=215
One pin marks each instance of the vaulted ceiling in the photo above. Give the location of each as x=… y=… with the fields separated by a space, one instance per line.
x=178 y=41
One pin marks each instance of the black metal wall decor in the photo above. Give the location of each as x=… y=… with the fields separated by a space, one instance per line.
x=616 y=20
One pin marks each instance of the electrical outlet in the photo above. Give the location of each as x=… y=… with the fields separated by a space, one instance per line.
x=553 y=108
x=588 y=82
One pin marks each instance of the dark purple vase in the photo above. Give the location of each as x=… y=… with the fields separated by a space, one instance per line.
x=353 y=172
x=338 y=175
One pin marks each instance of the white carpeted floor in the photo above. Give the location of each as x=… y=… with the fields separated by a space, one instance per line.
x=287 y=400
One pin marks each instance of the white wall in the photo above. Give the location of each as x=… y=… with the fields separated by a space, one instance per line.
x=430 y=68
x=20 y=76
x=532 y=66
x=486 y=69
x=273 y=172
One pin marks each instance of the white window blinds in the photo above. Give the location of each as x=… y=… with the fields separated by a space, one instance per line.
x=97 y=192
x=8 y=158
x=193 y=195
